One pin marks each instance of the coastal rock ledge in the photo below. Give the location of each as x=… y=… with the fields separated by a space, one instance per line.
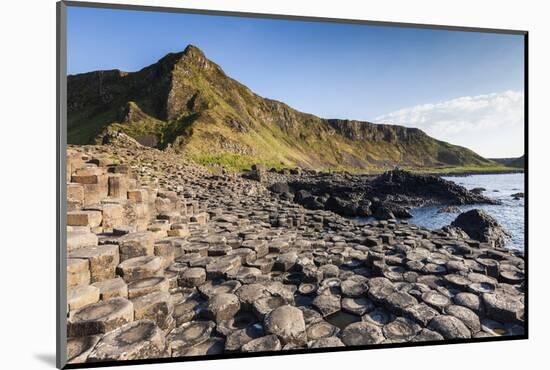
x=166 y=258
x=478 y=225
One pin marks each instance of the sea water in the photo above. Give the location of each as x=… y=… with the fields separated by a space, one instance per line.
x=510 y=213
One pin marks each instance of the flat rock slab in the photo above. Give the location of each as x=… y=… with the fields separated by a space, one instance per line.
x=249 y=294
x=192 y=277
x=79 y=239
x=427 y=335
x=287 y=322
x=263 y=344
x=321 y=329
x=100 y=318
x=327 y=304
x=78 y=272
x=79 y=348
x=145 y=286
x=133 y=341
x=214 y=287
x=157 y=307
x=82 y=296
x=469 y=300
x=103 y=260
x=450 y=327
x=328 y=342
x=400 y=330
x=237 y=339
x=362 y=333
x=502 y=307
x=139 y=268
x=211 y=346
x=112 y=288
x=84 y=218
x=189 y=335
x=222 y=307
x=136 y=245
x=467 y=316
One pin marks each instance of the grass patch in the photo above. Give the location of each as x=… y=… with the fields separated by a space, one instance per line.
x=233 y=162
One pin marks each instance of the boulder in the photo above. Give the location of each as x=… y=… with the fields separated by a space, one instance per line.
x=482 y=227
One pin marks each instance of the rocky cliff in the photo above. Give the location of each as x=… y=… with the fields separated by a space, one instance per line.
x=186 y=103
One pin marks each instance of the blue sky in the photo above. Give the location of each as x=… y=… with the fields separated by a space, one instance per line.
x=411 y=76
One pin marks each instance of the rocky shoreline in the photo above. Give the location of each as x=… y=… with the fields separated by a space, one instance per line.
x=167 y=259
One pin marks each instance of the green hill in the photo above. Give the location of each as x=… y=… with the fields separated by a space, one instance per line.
x=186 y=103
x=518 y=162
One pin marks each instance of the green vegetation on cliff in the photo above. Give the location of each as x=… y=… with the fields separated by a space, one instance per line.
x=186 y=103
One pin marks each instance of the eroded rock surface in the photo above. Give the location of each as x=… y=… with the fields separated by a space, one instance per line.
x=169 y=259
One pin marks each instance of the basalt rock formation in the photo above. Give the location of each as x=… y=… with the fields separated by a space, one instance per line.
x=387 y=196
x=187 y=103
x=481 y=226
x=167 y=259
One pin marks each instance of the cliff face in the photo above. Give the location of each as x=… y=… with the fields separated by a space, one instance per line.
x=186 y=103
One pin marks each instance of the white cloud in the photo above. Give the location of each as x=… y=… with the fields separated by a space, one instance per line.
x=491 y=124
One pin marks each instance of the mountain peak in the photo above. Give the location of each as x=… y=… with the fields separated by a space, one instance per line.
x=192 y=51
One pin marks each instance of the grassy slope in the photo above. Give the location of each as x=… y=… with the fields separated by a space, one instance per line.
x=187 y=102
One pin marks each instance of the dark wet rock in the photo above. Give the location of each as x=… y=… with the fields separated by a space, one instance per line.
x=427 y=187
x=449 y=209
x=479 y=190
x=481 y=226
x=341 y=206
x=449 y=327
x=280 y=187
x=383 y=213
